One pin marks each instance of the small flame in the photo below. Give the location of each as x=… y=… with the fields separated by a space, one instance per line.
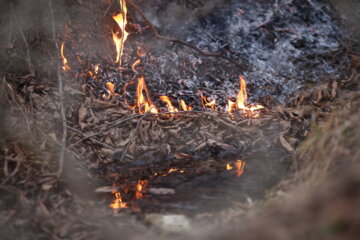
x=206 y=103
x=184 y=106
x=96 y=68
x=171 y=170
x=229 y=167
x=239 y=164
x=144 y=105
x=111 y=89
x=121 y=20
x=241 y=101
x=135 y=64
x=117 y=204
x=140 y=185
x=170 y=107
x=65 y=67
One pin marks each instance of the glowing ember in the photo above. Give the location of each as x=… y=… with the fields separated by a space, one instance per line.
x=120 y=19
x=140 y=185
x=117 y=204
x=144 y=105
x=229 y=167
x=65 y=67
x=239 y=164
x=170 y=107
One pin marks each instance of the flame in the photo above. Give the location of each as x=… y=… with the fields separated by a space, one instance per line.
x=140 y=185
x=229 y=167
x=241 y=101
x=170 y=107
x=184 y=106
x=111 y=89
x=144 y=105
x=136 y=63
x=117 y=203
x=206 y=103
x=242 y=97
x=120 y=19
x=96 y=68
x=65 y=67
x=239 y=164
x=171 y=170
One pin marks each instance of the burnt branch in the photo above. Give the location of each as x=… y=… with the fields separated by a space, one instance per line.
x=179 y=41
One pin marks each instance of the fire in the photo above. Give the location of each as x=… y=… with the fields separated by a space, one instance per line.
x=206 y=103
x=121 y=20
x=117 y=203
x=135 y=64
x=229 y=167
x=241 y=101
x=239 y=164
x=97 y=69
x=140 y=185
x=170 y=107
x=144 y=105
x=111 y=89
x=184 y=106
x=65 y=67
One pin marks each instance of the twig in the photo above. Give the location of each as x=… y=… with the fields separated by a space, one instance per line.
x=88 y=137
x=61 y=93
x=179 y=41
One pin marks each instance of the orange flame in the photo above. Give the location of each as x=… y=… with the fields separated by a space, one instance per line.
x=65 y=67
x=111 y=89
x=239 y=164
x=184 y=106
x=135 y=64
x=140 y=185
x=170 y=107
x=229 y=167
x=242 y=97
x=206 y=103
x=144 y=105
x=241 y=101
x=121 y=20
x=117 y=204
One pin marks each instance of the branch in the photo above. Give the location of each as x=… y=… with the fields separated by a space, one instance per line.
x=61 y=93
x=179 y=41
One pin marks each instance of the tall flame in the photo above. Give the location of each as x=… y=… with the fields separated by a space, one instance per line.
x=65 y=67
x=145 y=105
x=242 y=97
x=121 y=21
